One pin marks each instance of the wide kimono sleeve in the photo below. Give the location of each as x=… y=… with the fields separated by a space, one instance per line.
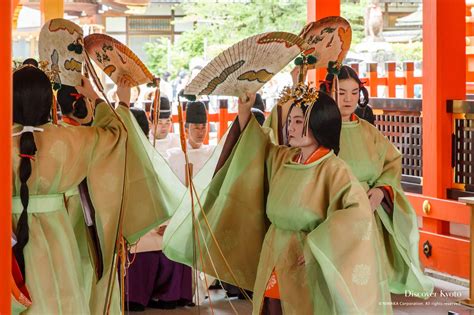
x=274 y=124
x=345 y=266
x=400 y=227
x=152 y=191
x=102 y=146
x=234 y=211
x=106 y=170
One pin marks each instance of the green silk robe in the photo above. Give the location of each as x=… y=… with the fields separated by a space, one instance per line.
x=76 y=215
x=151 y=190
x=266 y=211
x=376 y=162
x=152 y=184
x=65 y=156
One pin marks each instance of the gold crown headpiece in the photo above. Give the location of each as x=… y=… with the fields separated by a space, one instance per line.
x=302 y=96
x=52 y=73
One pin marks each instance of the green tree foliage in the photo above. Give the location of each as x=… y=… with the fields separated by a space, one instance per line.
x=408 y=51
x=354 y=12
x=221 y=24
x=164 y=57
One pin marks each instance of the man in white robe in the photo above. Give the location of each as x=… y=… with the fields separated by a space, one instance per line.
x=198 y=152
x=165 y=139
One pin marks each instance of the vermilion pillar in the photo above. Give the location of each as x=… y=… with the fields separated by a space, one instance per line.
x=317 y=9
x=5 y=157
x=444 y=78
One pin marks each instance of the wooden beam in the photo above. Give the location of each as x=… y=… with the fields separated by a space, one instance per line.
x=51 y=9
x=441 y=209
x=448 y=254
x=5 y=157
x=444 y=78
x=318 y=9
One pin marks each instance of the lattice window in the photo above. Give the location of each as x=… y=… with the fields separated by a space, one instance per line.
x=405 y=132
x=149 y=24
x=463 y=163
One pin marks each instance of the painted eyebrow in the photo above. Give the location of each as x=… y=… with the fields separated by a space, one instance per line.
x=353 y=90
x=299 y=116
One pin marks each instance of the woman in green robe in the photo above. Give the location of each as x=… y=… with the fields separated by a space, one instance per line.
x=377 y=164
x=49 y=160
x=76 y=110
x=292 y=223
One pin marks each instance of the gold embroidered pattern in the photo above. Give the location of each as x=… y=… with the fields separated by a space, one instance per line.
x=361 y=274
x=363 y=230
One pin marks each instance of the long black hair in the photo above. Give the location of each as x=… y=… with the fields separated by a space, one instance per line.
x=71 y=102
x=325 y=121
x=32 y=99
x=347 y=72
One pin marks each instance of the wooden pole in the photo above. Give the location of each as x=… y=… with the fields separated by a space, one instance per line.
x=5 y=157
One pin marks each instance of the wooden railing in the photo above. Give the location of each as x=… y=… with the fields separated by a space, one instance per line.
x=439 y=249
x=372 y=80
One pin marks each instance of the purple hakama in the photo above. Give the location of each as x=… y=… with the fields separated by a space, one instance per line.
x=153 y=276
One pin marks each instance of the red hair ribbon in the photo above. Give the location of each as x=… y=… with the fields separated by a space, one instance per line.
x=362 y=84
x=31 y=157
x=326 y=84
x=77 y=96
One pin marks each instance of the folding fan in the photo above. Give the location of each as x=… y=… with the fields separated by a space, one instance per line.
x=329 y=39
x=60 y=51
x=116 y=59
x=246 y=66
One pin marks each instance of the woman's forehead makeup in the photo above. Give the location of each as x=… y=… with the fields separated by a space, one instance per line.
x=348 y=84
x=296 y=112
